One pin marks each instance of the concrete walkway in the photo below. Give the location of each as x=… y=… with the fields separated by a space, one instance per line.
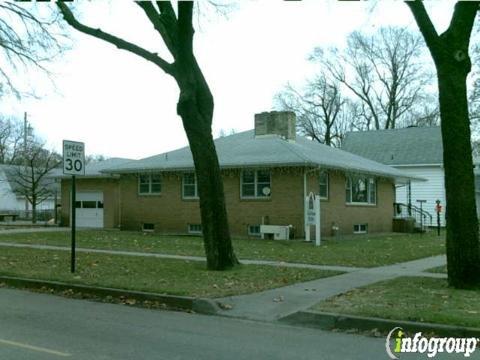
x=274 y=304
x=33 y=229
x=180 y=257
x=271 y=305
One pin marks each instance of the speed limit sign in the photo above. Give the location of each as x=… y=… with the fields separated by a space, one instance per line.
x=73 y=158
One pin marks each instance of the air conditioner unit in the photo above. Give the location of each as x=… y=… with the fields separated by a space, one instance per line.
x=280 y=232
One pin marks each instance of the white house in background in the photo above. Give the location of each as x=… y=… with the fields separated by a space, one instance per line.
x=10 y=201
x=416 y=151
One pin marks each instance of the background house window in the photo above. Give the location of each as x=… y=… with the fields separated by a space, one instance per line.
x=360 y=190
x=323 y=185
x=255 y=183
x=149 y=184
x=189 y=186
x=194 y=228
x=254 y=230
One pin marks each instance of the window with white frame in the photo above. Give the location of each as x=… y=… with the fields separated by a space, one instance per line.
x=323 y=185
x=254 y=230
x=149 y=184
x=189 y=186
x=360 y=228
x=194 y=228
x=361 y=190
x=255 y=184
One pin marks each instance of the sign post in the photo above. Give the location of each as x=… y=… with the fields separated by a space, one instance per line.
x=438 y=210
x=312 y=215
x=73 y=164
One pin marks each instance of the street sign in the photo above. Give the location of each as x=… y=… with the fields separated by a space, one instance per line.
x=73 y=158
x=73 y=164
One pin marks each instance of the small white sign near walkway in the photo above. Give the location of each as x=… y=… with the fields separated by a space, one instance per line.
x=312 y=217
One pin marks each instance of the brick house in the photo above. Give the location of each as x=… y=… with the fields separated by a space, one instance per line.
x=267 y=173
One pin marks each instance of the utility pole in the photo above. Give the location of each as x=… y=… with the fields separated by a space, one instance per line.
x=25 y=163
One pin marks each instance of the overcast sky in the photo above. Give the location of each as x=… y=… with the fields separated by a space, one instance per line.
x=122 y=106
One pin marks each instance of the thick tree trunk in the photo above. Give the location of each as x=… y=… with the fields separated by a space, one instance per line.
x=216 y=234
x=462 y=224
x=450 y=54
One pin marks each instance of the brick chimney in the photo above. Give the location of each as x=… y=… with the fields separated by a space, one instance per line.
x=280 y=123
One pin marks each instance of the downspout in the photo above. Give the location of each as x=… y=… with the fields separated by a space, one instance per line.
x=119 y=191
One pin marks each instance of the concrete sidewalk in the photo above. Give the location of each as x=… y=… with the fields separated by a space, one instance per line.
x=274 y=304
x=180 y=257
x=33 y=229
x=271 y=305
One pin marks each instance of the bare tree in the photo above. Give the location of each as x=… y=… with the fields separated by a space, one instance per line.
x=320 y=109
x=195 y=107
x=31 y=179
x=30 y=39
x=11 y=140
x=450 y=53
x=95 y=158
x=384 y=71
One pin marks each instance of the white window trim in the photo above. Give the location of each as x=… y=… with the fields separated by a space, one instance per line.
x=149 y=193
x=368 y=192
x=328 y=186
x=195 y=197
x=255 y=184
x=360 y=231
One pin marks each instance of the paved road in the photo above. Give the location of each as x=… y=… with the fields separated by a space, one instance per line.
x=39 y=326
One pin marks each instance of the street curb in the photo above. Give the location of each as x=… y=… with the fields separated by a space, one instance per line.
x=330 y=321
x=198 y=305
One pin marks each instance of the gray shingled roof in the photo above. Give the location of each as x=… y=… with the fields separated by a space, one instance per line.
x=95 y=169
x=409 y=146
x=244 y=150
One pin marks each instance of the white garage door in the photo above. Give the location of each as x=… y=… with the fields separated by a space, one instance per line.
x=89 y=209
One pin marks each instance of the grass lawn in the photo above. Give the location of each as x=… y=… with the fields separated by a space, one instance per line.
x=408 y=298
x=361 y=250
x=165 y=276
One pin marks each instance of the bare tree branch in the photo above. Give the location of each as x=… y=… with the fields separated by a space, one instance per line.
x=118 y=42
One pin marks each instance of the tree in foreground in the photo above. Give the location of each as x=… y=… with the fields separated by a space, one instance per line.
x=28 y=41
x=450 y=55
x=195 y=107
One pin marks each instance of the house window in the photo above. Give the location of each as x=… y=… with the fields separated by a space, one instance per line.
x=360 y=228
x=189 y=186
x=255 y=184
x=148 y=227
x=254 y=230
x=361 y=190
x=194 y=228
x=149 y=184
x=323 y=185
